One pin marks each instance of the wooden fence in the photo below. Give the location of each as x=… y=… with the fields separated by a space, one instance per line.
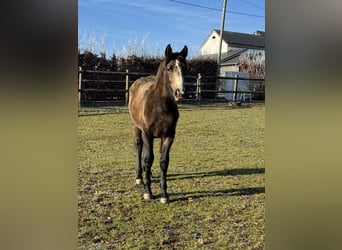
x=106 y=88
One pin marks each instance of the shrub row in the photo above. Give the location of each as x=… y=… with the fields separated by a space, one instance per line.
x=90 y=61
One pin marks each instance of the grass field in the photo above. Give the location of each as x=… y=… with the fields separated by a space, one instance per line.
x=216 y=182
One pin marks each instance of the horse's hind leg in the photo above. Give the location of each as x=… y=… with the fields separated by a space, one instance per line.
x=138 y=145
x=164 y=164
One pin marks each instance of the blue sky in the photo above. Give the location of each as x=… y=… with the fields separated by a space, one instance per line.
x=120 y=25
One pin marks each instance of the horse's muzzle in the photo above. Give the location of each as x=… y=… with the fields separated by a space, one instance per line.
x=179 y=94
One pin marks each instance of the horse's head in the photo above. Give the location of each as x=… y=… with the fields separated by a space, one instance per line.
x=175 y=65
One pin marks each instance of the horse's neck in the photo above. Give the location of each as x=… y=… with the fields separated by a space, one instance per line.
x=161 y=73
x=162 y=81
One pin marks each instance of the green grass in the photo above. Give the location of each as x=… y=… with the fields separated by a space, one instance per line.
x=216 y=182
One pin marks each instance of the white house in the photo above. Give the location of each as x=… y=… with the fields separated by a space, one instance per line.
x=236 y=47
x=232 y=41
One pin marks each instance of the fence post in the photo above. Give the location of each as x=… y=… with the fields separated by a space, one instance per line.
x=127 y=87
x=79 y=86
x=198 y=88
x=236 y=82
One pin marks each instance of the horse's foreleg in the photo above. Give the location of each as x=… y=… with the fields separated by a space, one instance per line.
x=164 y=164
x=147 y=162
x=138 y=145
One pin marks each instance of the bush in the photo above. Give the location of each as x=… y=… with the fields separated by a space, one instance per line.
x=149 y=65
x=89 y=61
x=256 y=69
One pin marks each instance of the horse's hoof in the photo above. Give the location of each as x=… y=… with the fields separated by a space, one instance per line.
x=164 y=200
x=147 y=196
x=138 y=181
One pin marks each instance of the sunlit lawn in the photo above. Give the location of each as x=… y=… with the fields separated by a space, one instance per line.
x=216 y=182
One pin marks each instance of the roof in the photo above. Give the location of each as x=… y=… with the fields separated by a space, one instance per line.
x=242 y=40
x=232 y=56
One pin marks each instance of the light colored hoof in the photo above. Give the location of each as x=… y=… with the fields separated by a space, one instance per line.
x=164 y=200
x=147 y=196
x=138 y=181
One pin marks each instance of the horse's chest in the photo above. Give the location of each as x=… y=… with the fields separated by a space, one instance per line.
x=161 y=123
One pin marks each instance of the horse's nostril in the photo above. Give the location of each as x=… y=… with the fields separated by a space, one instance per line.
x=178 y=93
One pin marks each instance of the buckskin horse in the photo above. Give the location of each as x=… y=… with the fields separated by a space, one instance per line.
x=154 y=114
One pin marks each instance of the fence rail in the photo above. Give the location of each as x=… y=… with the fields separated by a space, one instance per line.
x=108 y=88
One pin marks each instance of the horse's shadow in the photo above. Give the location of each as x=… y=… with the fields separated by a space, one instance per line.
x=225 y=172
x=186 y=196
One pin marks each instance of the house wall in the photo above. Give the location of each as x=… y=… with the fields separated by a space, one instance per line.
x=211 y=45
x=226 y=68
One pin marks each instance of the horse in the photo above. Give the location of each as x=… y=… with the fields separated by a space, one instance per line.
x=154 y=114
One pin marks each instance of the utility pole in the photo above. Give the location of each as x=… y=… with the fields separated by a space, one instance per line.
x=221 y=35
x=220 y=43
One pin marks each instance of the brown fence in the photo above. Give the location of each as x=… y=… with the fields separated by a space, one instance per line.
x=107 y=88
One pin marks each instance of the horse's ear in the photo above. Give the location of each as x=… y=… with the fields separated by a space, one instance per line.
x=168 y=51
x=184 y=51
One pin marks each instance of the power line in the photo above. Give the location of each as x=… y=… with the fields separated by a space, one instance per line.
x=194 y=5
x=209 y=8
x=253 y=4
